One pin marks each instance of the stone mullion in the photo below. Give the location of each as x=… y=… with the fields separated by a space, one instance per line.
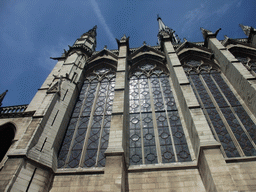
x=236 y=143
x=102 y=126
x=141 y=127
x=87 y=135
x=158 y=149
x=168 y=122
x=76 y=128
x=233 y=111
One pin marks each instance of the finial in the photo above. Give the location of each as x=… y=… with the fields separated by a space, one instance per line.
x=208 y=34
x=246 y=29
x=2 y=97
x=144 y=43
x=158 y=17
x=105 y=47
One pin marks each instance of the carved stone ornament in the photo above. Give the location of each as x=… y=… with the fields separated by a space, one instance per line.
x=55 y=88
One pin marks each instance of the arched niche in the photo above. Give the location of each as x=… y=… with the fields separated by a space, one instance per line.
x=7 y=133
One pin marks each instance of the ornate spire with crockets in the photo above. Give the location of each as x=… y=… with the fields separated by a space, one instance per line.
x=87 y=41
x=166 y=31
x=2 y=97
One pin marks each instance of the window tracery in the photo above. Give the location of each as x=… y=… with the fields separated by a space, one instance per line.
x=156 y=132
x=229 y=122
x=87 y=134
x=249 y=62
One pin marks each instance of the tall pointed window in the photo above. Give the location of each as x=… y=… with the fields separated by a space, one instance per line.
x=229 y=121
x=156 y=132
x=87 y=134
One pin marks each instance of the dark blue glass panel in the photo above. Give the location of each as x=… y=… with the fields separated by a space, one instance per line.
x=247 y=122
x=223 y=134
x=239 y=132
x=226 y=90
x=202 y=92
x=214 y=90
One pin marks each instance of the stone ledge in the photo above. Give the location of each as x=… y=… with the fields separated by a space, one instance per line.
x=164 y=167
x=120 y=89
x=222 y=48
x=240 y=159
x=210 y=145
x=114 y=152
x=178 y=65
x=171 y=52
x=121 y=57
x=185 y=83
x=194 y=107
x=80 y=171
x=118 y=71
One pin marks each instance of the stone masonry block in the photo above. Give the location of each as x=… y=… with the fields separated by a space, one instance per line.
x=168 y=47
x=189 y=96
x=122 y=51
x=118 y=104
x=174 y=59
x=120 y=80
x=181 y=76
x=121 y=66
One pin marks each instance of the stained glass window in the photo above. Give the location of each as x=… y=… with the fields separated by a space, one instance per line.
x=87 y=134
x=229 y=122
x=156 y=132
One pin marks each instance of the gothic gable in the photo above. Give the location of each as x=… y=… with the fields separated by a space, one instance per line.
x=146 y=52
x=188 y=46
x=104 y=56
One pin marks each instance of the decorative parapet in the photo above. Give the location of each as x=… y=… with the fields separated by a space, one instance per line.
x=15 y=111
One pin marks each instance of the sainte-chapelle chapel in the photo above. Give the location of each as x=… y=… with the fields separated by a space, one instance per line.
x=178 y=116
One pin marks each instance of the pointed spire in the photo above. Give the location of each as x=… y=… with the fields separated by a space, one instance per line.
x=2 y=97
x=247 y=30
x=87 y=42
x=91 y=32
x=166 y=31
x=123 y=40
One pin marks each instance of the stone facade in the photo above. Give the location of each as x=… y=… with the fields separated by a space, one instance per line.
x=205 y=162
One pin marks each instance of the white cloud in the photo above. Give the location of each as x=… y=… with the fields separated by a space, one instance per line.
x=195 y=16
x=103 y=21
x=223 y=9
x=204 y=12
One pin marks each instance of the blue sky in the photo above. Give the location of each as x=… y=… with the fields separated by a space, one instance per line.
x=33 y=31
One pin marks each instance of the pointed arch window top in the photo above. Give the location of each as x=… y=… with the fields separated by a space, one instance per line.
x=149 y=70
x=100 y=74
x=197 y=67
